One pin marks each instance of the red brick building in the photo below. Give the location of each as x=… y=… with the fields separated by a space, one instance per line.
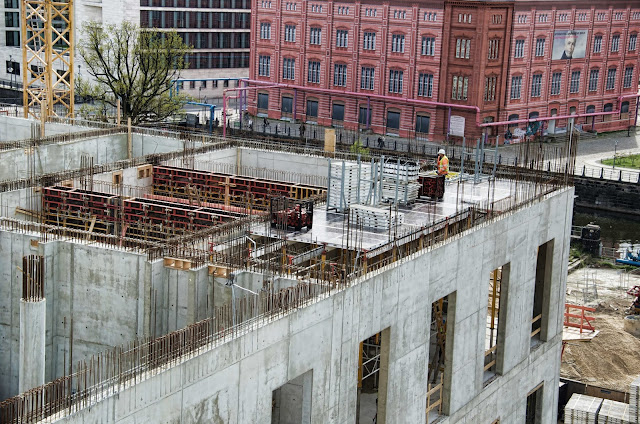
x=404 y=68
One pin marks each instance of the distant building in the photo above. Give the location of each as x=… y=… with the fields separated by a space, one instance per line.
x=218 y=31
x=380 y=66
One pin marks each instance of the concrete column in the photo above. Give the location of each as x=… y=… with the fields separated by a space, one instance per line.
x=32 y=344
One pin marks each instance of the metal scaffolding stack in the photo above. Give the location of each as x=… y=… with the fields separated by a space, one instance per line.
x=582 y=409
x=634 y=401
x=377 y=218
x=400 y=181
x=351 y=183
x=612 y=412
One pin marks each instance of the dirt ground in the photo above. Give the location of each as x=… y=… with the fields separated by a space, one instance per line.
x=612 y=358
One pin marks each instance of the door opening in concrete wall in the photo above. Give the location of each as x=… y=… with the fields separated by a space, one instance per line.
x=437 y=371
x=291 y=402
x=373 y=365
x=495 y=331
x=534 y=406
x=542 y=291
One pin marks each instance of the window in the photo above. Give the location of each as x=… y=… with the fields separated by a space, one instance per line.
x=316 y=8
x=459 y=87
x=192 y=84
x=633 y=39
x=266 y=4
x=369 y=41
x=364 y=116
x=203 y=84
x=464 y=17
x=315 y=36
x=575 y=82
x=340 y=75
x=422 y=123
x=540 y=47
x=264 y=66
x=225 y=83
x=287 y=105
x=312 y=108
x=542 y=287
x=11 y=4
x=265 y=31
x=615 y=43
x=12 y=38
x=463 y=47
x=522 y=19
x=582 y=16
x=556 y=78
x=593 y=79
x=562 y=17
x=496 y=19
x=494 y=48
x=397 y=43
x=543 y=18
x=628 y=77
x=624 y=107
x=314 y=72
x=425 y=85
x=337 y=112
x=371 y=12
x=290 y=33
x=428 y=46
x=618 y=16
x=519 y=52
x=393 y=120
x=516 y=85
x=536 y=85
x=611 y=78
x=367 y=77
x=288 y=68
x=395 y=81
x=490 y=88
x=430 y=16
x=342 y=38
x=13 y=67
x=399 y=14
x=343 y=10
x=11 y=19
x=263 y=101
x=597 y=44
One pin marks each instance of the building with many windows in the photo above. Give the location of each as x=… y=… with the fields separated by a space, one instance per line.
x=218 y=31
x=405 y=68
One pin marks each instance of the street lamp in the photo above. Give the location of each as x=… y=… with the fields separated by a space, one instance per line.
x=615 y=150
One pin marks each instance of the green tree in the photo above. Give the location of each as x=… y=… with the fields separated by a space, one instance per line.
x=133 y=65
x=358 y=149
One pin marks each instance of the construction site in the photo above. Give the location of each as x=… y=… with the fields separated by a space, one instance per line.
x=163 y=277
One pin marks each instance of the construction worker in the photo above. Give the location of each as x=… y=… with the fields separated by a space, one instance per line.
x=443 y=163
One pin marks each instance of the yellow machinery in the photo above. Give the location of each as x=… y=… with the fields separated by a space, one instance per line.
x=47 y=58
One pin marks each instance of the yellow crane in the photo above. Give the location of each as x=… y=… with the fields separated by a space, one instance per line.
x=47 y=58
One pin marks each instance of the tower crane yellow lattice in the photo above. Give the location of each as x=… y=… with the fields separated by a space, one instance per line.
x=47 y=58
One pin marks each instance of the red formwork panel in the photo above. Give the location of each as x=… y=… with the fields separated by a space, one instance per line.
x=431 y=185
x=226 y=188
x=76 y=202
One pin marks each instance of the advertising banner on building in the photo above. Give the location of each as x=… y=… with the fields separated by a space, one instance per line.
x=569 y=44
x=456 y=126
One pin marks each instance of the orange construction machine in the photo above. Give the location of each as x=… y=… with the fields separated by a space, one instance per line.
x=286 y=212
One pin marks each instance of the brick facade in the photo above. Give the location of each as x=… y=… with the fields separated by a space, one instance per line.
x=419 y=50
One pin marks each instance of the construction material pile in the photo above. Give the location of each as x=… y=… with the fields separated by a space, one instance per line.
x=612 y=412
x=377 y=218
x=349 y=183
x=634 y=401
x=582 y=409
x=400 y=181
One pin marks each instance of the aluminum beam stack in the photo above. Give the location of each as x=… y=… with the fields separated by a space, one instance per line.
x=349 y=183
x=582 y=409
x=400 y=182
x=612 y=412
x=634 y=401
x=375 y=217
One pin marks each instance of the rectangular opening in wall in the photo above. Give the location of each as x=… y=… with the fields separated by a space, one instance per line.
x=492 y=341
x=534 y=406
x=373 y=365
x=540 y=316
x=437 y=372
x=291 y=402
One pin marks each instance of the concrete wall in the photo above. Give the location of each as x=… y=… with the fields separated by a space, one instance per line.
x=113 y=297
x=305 y=164
x=12 y=128
x=234 y=382
x=608 y=195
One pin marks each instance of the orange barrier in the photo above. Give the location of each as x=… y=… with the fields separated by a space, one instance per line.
x=585 y=321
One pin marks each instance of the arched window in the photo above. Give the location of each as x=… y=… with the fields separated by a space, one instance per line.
x=624 y=108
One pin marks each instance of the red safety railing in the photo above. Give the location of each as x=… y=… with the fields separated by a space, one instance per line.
x=584 y=321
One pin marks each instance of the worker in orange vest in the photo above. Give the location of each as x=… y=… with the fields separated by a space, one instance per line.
x=443 y=163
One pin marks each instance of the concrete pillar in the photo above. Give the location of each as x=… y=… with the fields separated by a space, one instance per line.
x=32 y=344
